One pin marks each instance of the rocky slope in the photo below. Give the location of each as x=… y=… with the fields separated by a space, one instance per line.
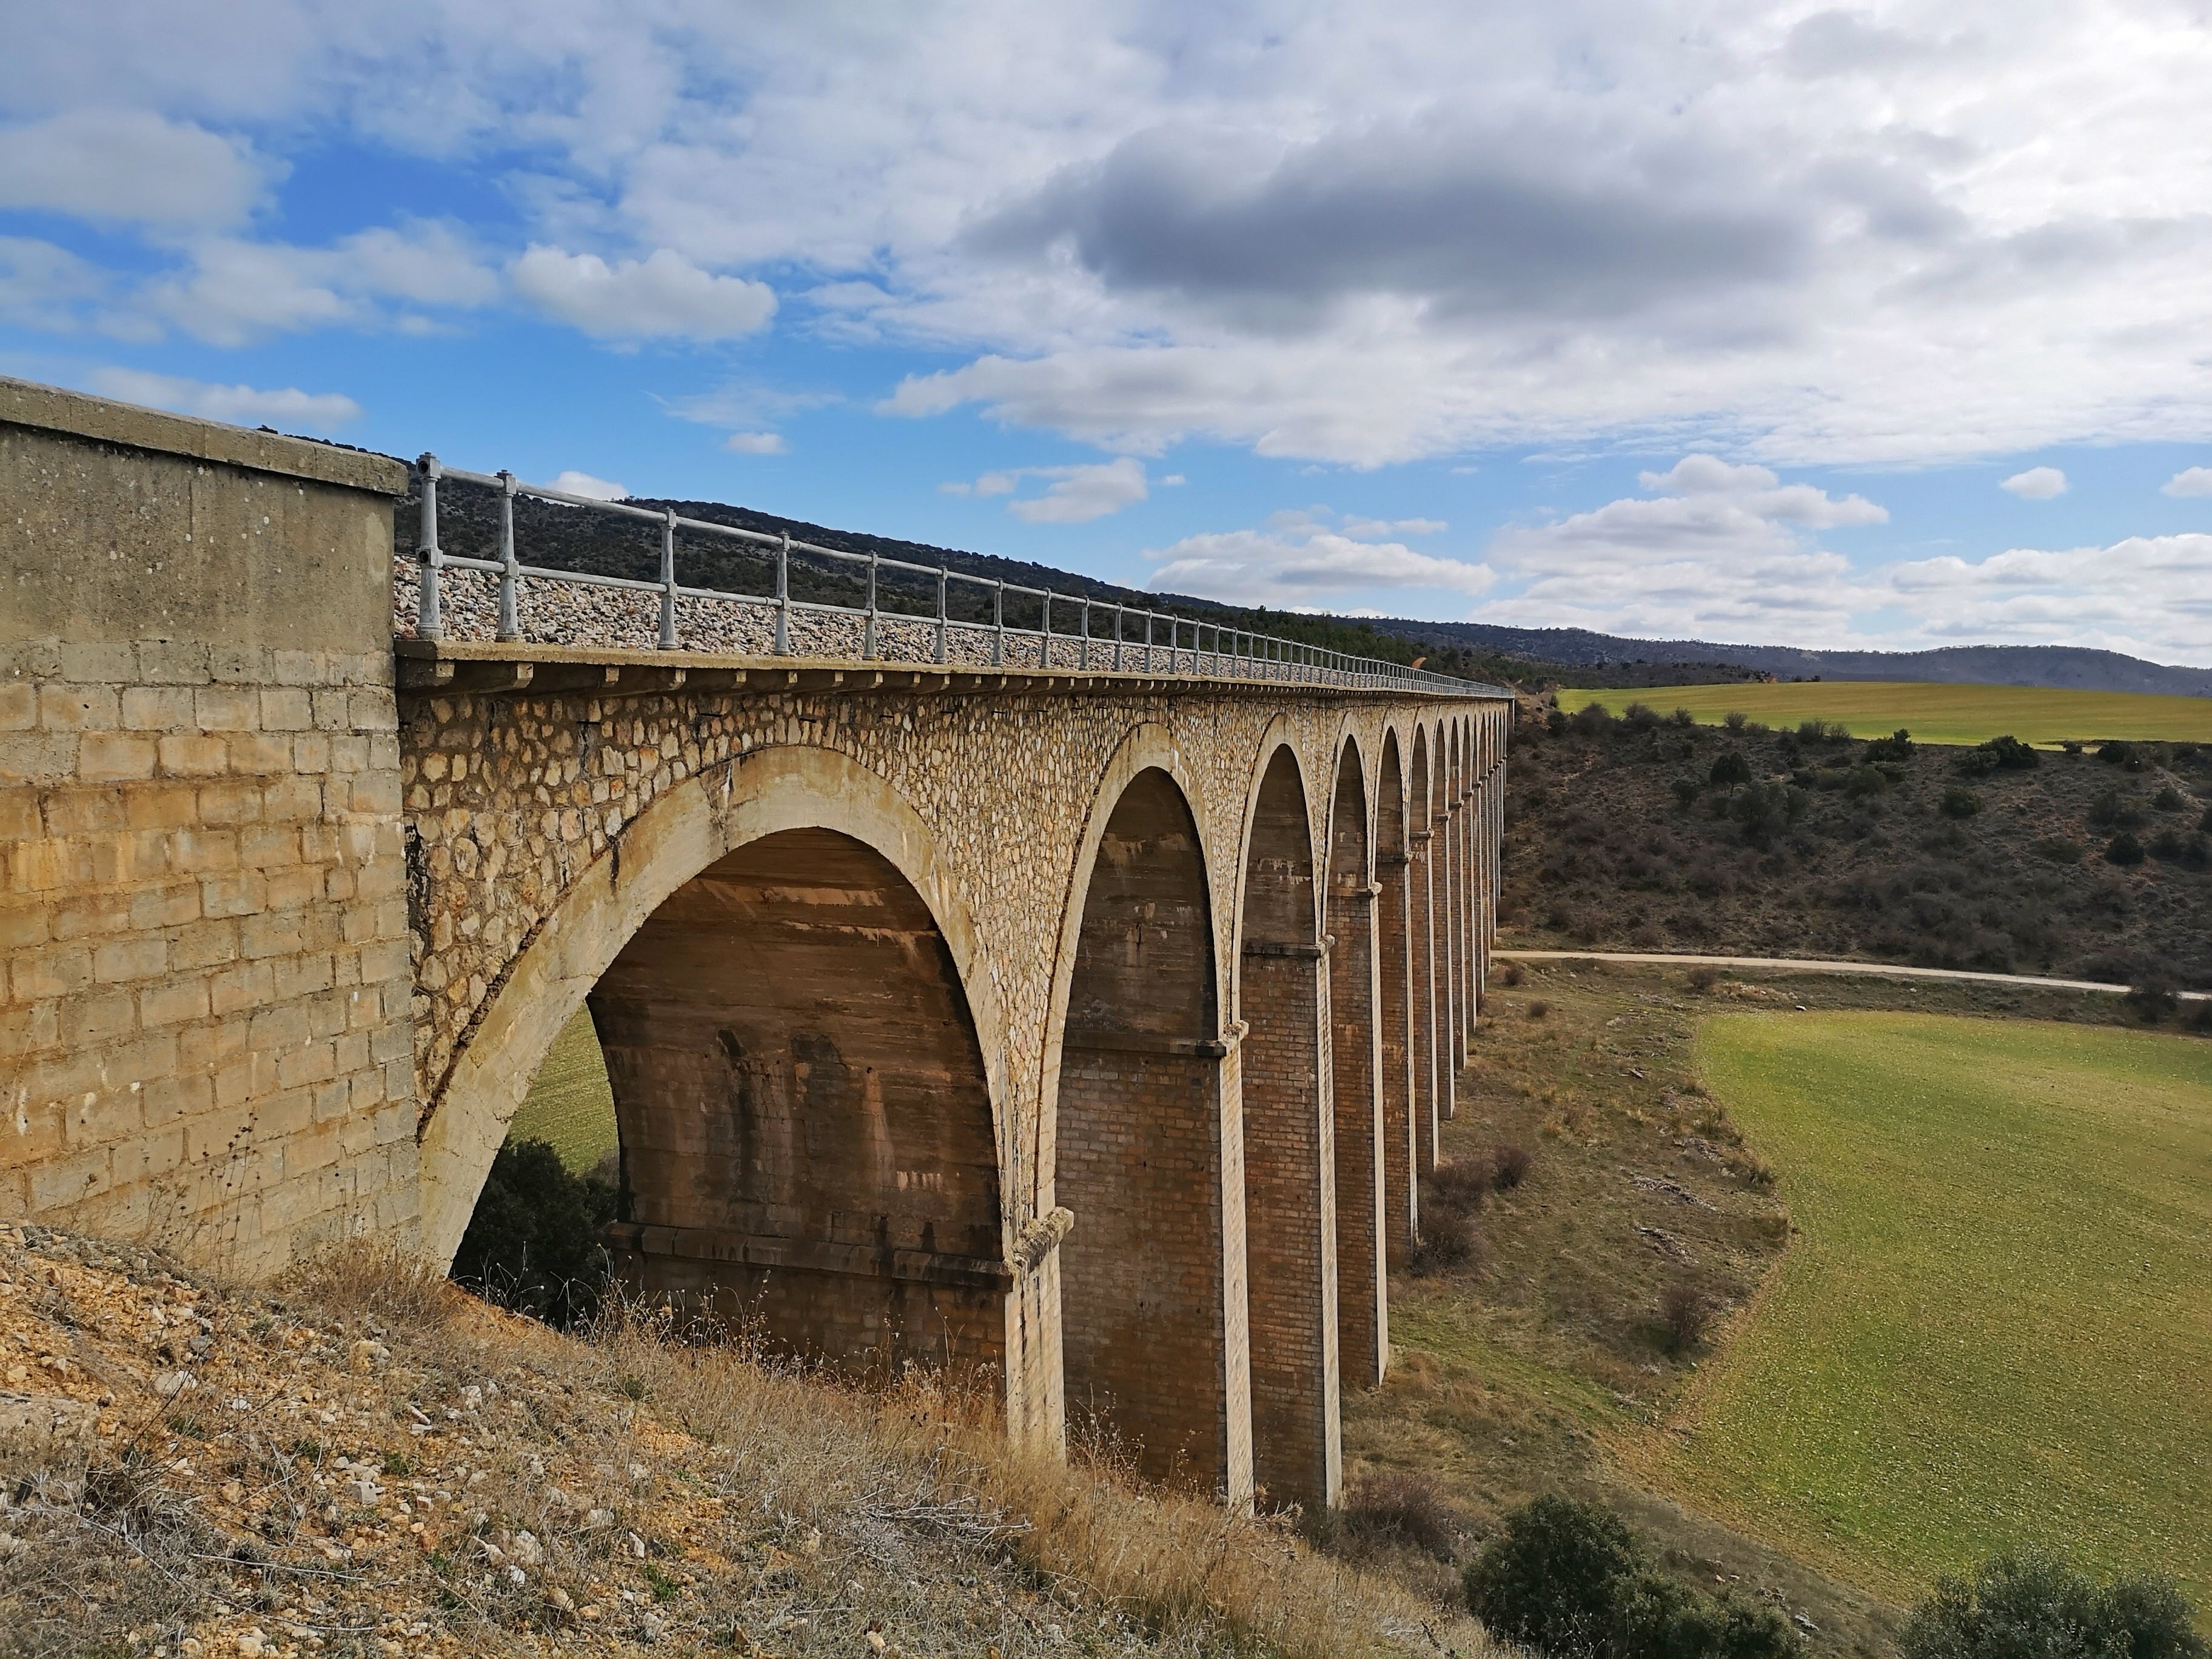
x=370 y=1462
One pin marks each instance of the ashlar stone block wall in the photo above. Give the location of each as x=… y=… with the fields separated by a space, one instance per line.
x=203 y=960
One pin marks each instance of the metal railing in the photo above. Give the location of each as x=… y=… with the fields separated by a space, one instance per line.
x=1103 y=636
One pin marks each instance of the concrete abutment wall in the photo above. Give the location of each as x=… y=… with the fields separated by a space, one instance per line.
x=897 y=971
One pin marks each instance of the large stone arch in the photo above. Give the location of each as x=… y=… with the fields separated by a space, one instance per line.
x=1146 y=1141
x=1421 y=840
x=685 y=830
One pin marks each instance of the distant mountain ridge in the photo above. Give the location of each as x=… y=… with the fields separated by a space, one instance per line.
x=2067 y=667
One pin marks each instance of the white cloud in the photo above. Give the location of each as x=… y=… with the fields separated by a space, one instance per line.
x=573 y=483
x=1725 y=553
x=660 y=296
x=2092 y=596
x=2190 y=480
x=755 y=443
x=237 y=292
x=43 y=286
x=1072 y=495
x=1821 y=236
x=241 y=405
x=2038 y=484
x=131 y=165
x=1374 y=529
x=1301 y=561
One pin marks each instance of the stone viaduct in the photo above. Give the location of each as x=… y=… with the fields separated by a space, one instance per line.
x=1086 y=1026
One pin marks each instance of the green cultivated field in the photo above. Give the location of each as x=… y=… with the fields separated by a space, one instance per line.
x=1994 y=1328
x=1933 y=714
x=570 y=1105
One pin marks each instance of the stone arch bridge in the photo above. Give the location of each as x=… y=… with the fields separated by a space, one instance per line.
x=1084 y=1024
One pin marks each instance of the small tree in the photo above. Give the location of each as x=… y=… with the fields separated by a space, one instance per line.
x=1897 y=746
x=1552 y=1578
x=1729 y=769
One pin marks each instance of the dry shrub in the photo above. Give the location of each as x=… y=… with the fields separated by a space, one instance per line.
x=1703 y=977
x=1399 y=1509
x=1508 y=1167
x=1461 y=1185
x=1685 y=1315
x=1447 y=1241
x=1510 y=974
x=1538 y=1009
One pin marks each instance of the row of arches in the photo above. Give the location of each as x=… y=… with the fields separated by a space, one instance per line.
x=822 y=1136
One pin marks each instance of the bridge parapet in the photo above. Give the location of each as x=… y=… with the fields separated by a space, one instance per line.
x=867 y=609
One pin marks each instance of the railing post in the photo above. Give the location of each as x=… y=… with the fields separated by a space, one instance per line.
x=868 y=633
x=668 y=581
x=1119 y=612
x=1148 y=642
x=1085 y=648
x=999 y=625
x=943 y=620
x=510 y=572
x=1044 y=648
x=783 y=596
x=430 y=614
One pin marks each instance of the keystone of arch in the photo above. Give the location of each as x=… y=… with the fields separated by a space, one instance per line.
x=685 y=829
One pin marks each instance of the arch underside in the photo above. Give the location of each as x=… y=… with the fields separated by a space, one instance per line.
x=806 y=1132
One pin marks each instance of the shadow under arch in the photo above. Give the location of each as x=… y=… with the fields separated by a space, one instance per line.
x=859 y=820
x=1145 y=1143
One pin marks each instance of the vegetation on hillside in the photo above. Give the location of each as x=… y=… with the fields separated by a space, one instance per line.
x=370 y=1462
x=1648 y=833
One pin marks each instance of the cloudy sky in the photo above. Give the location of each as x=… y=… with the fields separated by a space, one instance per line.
x=1884 y=325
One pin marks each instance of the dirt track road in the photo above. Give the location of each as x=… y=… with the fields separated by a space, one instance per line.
x=1794 y=965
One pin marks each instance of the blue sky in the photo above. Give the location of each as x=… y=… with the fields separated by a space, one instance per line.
x=1876 y=326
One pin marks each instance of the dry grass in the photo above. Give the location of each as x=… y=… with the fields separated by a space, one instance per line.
x=415 y=1473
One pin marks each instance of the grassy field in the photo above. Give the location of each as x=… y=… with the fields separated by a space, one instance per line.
x=1933 y=714
x=570 y=1104
x=1994 y=1328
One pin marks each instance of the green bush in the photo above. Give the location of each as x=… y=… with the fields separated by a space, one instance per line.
x=1553 y=1578
x=2169 y=799
x=1568 y=1578
x=1687 y=791
x=2005 y=754
x=1961 y=803
x=1865 y=780
x=534 y=1243
x=2125 y=850
x=1897 y=746
x=1729 y=768
x=2035 y=1606
x=2058 y=849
